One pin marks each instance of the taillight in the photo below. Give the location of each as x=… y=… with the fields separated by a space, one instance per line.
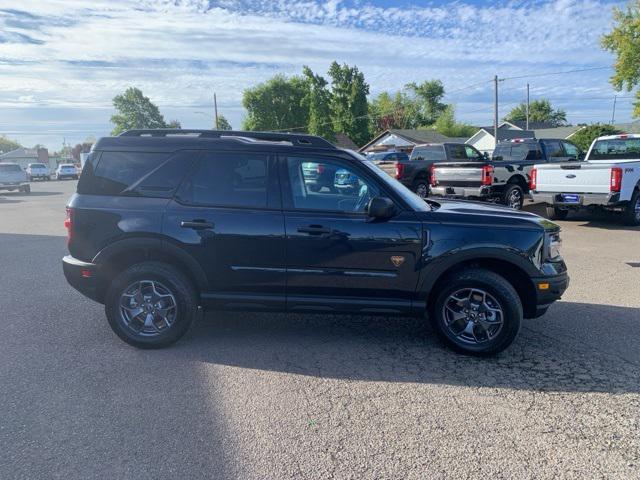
x=487 y=175
x=399 y=170
x=616 y=179
x=533 y=179
x=320 y=169
x=68 y=224
x=432 y=172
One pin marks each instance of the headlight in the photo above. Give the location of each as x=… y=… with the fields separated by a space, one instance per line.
x=553 y=242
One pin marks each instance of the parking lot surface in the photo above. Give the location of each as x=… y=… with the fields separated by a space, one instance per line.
x=315 y=396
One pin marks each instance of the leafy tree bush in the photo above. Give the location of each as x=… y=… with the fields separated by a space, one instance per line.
x=585 y=136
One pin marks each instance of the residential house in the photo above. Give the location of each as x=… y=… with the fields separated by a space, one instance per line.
x=403 y=140
x=25 y=156
x=343 y=141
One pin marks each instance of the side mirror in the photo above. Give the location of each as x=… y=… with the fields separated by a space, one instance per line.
x=381 y=208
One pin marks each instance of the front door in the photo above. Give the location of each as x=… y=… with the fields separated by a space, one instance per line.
x=227 y=215
x=337 y=258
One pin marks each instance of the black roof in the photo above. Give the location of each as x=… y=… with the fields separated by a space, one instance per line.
x=175 y=139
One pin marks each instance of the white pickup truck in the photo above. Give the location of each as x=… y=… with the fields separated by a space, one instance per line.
x=608 y=178
x=12 y=177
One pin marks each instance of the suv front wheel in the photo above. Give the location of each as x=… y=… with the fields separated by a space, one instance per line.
x=151 y=305
x=477 y=312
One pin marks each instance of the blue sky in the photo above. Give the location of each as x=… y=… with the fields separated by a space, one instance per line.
x=62 y=61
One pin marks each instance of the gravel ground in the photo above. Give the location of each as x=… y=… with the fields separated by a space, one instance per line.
x=315 y=396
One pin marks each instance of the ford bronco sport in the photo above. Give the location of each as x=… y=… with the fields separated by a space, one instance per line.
x=167 y=221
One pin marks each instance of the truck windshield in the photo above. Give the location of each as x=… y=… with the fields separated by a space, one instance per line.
x=616 y=149
x=511 y=152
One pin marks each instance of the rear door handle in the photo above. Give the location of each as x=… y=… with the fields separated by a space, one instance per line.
x=196 y=224
x=314 y=230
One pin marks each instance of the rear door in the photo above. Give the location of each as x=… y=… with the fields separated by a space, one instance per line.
x=227 y=215
x=339 y=260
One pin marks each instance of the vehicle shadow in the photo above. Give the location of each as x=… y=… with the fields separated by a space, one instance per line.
x=31 y=194
x=4 y=199
x=595 y=219
x=549 y=354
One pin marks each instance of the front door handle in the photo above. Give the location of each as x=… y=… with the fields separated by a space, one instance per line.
x=197 y=224
x=314 y=230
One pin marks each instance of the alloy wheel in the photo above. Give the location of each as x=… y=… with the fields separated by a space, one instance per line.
x=148 y=308
x=422 y=190
x=473 y=316
x=515 y=199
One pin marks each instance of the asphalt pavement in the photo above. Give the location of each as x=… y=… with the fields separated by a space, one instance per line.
x=276 y=396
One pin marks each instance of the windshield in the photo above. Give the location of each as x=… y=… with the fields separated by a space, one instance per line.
x=10 y=168
x=516 y=152
x=377 y=156
x=616 y=148
x=37 y=165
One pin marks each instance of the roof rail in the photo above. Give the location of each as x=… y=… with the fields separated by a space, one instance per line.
x=299 y=140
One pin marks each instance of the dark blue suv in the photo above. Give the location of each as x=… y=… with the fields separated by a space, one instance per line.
x=165 y=222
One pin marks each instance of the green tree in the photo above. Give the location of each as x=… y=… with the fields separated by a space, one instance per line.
x=428 y=100
x=394 y=111
x=446 y=124
x=539 y=111
x=7 y=145
x=277 y=104
x=135 y=111
x=585 y=136
x=318 y=101
x=349 y=106
x=624 y=42
x=175 y=124
x=223 y=123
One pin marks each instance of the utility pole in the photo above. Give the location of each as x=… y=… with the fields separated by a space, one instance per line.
x=527 y=128
x=495 y=110
x=613 y=115
x=215 y=108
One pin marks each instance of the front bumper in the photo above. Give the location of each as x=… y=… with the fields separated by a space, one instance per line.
x=484 y=191
x=548 y=290
x=83 y=276
x=584 y=199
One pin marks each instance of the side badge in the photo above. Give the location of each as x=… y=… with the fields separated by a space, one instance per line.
x=397 y=260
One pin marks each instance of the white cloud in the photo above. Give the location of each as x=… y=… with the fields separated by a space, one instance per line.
x=83 y=53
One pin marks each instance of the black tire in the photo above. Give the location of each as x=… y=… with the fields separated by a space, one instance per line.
x=421 y=187
x=513 y=196
x=169 y=278
x=29 y=178
x=27 y=189
x=495 y=286
x=555 y=213
x=631 y=212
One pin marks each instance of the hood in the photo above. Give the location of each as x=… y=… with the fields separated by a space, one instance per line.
x=489 y=214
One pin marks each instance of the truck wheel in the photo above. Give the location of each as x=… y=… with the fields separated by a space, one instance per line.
x=151 y=305
x=25 y=189
x=632 y=209
x=421 y=187
x=477 y=312
x=554 y=213
x=513 y=197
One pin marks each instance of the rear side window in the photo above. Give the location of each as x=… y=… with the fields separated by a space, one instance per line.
x=227 y=180
x=514 y=152
x=134 y=173
x=431 y=153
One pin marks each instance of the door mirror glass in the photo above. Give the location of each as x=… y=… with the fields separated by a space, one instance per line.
x=381 y=208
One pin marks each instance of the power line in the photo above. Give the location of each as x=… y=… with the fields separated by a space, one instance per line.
x=529 y=75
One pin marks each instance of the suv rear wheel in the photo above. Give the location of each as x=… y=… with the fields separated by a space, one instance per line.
x=477 y=312
x=151 y=305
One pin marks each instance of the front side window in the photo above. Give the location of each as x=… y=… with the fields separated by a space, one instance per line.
x=571 y=150
x=458 y=152
x=554 y=150
x=227 y=179
x=472 y=153
x=347 y=191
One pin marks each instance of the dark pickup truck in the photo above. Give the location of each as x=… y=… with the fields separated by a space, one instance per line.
x=505 y=178
x=414 y=171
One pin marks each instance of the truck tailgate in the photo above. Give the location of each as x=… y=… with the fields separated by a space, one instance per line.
x=463 y=174
x=389 y=166
x=574 y=178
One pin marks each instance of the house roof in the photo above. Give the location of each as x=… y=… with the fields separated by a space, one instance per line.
x=503 y=134
x=343 y=141
x=415 y=136
x=532 y=125
x=557 y=132
x=20 y=153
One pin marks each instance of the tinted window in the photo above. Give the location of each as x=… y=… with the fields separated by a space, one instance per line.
x=571 y=150
x=472 y=153
x=116 y=171
x=36 y=165
x=514 y=152
x=554 y=149
x=10 y=168
x=227 y=180
x=458 y=152
x=349 y=192
x=433 y=153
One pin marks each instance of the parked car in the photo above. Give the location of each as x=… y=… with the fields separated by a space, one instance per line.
x=505 y=178
x=318 y=176
x=12 y=177
x=38 y=171
x=67 y=170
x=164 y=224
x=608 y=179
